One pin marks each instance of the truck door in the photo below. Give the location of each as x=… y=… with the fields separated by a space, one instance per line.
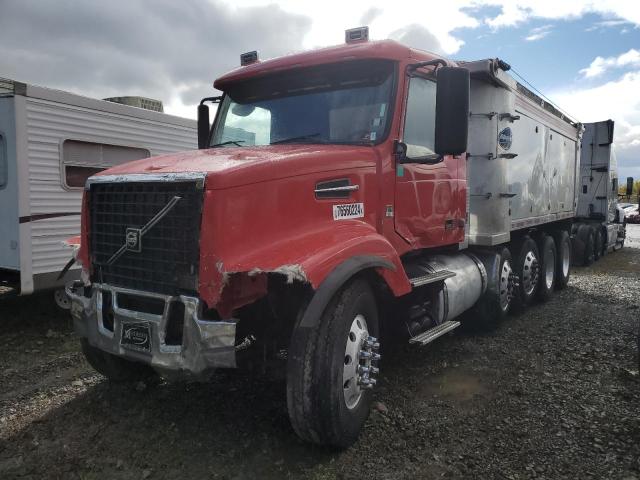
x=429 y=204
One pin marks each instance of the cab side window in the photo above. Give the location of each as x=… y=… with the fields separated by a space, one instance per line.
x=420 y=118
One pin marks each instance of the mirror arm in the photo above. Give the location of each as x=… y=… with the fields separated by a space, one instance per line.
x=431 y=63
x=211 y=99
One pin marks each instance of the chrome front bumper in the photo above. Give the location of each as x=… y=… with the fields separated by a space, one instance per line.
x=204 y=344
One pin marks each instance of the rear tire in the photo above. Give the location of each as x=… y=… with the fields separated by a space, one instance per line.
x=61 y=301
x=589 y=248
x=116 y=369
x=598 y=245
x=563 y=268
x=325 y=406
x=494 y=305
x=526 y=267
x=548 y=266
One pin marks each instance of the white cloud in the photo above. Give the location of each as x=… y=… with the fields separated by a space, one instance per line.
x=617 y=100
x=602 y=64
x=538 y=33
x=514 y=12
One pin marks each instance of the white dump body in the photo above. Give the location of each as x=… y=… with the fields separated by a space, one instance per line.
x=522 y=158
x=46 y=137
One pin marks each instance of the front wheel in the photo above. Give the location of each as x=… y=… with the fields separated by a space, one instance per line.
x=331 y=369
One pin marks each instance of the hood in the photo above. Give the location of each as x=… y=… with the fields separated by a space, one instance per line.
x=234 y=166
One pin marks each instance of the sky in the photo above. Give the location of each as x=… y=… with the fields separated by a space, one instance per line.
x=582 y=54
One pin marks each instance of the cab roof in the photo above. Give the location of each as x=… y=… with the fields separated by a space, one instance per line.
x=383 y=49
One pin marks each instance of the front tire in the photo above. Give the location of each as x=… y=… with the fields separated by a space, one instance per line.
x=328 y=393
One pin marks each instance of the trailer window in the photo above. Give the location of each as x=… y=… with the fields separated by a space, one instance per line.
x=80 y=159
x=420 y=119
x=3 y=162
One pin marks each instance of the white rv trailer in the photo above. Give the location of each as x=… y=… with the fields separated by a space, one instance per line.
x=50 y=142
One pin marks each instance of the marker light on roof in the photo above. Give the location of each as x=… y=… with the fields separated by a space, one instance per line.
x=360 y=34
x=248 y=58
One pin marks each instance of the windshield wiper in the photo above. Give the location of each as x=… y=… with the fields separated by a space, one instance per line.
x=229 y=142
x=308 y=136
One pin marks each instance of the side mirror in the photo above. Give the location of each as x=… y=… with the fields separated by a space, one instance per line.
x=203 y=126
x=629 y=186
x=452 y=110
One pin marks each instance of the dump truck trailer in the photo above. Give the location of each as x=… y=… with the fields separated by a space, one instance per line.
x=50 y=142
x=341 y=197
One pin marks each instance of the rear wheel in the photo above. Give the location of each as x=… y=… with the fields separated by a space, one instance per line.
x=563 y=250
x=548 y=264
x=62 y=300
x=527 y=269
x=598 y=244
x=494 y=306
x=589 y=247
x=330 y=373
x=115 y=368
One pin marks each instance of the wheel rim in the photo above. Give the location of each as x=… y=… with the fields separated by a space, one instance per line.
x=506 y=285
x=550 y=270
x=566 y=261
x=62 y=300
x=530 y=273
x=357 y=374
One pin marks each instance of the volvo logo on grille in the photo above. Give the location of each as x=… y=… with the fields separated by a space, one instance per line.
x=134 y=239
x=133 y=236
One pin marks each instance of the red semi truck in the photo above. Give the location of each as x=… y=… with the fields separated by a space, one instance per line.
x=339 y=194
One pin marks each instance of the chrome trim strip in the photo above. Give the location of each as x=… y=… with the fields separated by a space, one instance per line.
x=346 y=188
x=147 y=177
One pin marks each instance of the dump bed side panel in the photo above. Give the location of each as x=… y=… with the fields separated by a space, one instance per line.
x=522 y=162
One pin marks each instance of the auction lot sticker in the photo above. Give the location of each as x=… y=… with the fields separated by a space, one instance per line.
x=350 y=210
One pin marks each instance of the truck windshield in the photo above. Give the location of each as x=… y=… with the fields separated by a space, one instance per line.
x=346 y=103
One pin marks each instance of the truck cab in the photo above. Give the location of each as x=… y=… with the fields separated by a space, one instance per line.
x=328 y=202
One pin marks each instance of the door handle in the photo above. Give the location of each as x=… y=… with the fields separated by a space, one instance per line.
x=346 y=188
x=339 y=188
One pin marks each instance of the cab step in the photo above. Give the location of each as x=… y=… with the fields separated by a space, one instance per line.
x=435 y=332
x=431 y=278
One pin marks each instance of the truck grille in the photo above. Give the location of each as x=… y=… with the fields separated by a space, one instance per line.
x=165 y=258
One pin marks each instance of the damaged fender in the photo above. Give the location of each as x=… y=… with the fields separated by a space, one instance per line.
x=310 y=258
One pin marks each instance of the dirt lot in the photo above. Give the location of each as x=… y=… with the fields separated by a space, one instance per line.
x=553 y=394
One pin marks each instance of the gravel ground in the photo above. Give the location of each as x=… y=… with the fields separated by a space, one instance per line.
x=552 y=394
